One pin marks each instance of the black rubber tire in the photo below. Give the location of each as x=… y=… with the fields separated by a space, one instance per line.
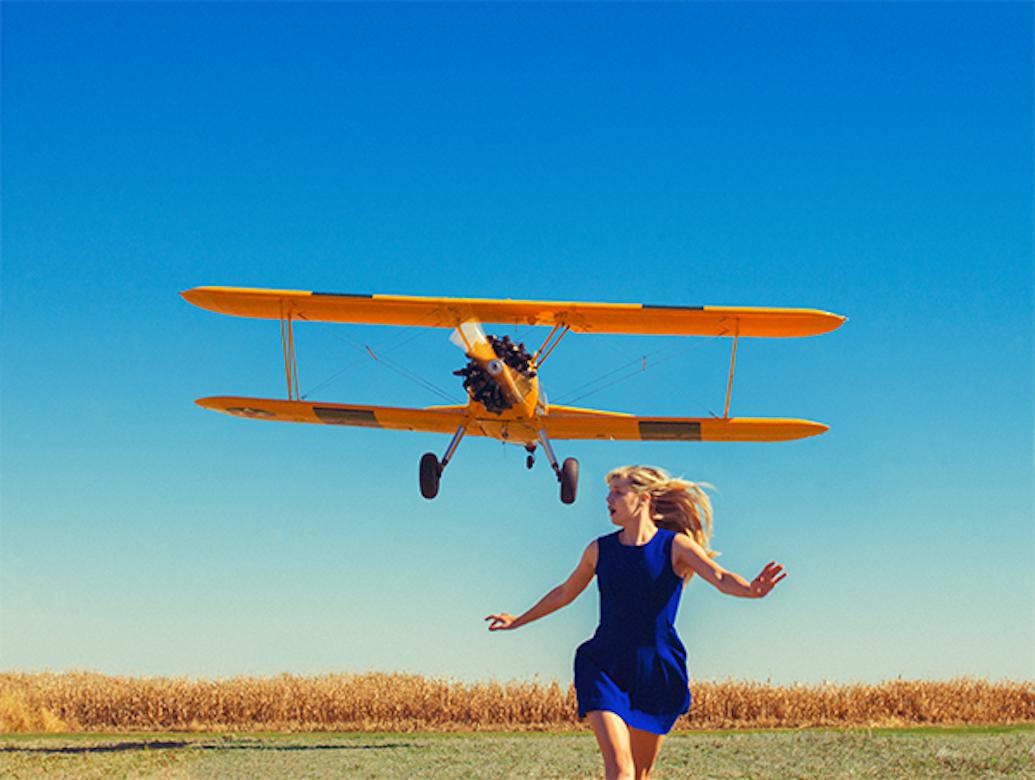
x=569 y=480
x=430 y=471
x=529 y=462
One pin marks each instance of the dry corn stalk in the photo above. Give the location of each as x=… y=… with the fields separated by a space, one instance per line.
x=376 y=701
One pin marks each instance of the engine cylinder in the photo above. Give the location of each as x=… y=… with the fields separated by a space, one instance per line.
x=480 y=382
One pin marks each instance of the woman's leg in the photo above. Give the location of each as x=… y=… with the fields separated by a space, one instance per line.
x=613 y=738
x=645 y=748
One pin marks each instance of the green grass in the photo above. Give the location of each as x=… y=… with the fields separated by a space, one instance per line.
x=964 y=752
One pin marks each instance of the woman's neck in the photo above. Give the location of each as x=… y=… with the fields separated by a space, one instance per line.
x=637 y=532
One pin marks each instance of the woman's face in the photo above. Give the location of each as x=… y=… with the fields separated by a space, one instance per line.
x=623 y=503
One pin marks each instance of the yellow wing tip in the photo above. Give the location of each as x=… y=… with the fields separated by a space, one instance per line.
x=213 y=402
x=802 y=429
x=835 y=320
x=238 y=301
x=760 y=429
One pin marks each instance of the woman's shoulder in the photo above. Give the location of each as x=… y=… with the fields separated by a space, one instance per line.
x=607 y=540
x=591 y=554
x=679 y=538
x=669 y=537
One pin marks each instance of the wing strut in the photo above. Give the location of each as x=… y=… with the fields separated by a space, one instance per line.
x=540 y=360
x=287 y=337
x=733 y=359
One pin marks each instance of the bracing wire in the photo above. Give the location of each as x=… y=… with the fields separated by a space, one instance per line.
x=419 y=380
x=621 y=374
x=379 y=356
x=330 y=379
x=571 y=394
x=639 y=366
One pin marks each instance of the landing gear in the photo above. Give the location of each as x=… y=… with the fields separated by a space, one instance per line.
x=430 y=472
x=569 y=480
x=568 y=475
x=431 y=467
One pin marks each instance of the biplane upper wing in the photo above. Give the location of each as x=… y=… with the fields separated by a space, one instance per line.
x=450 y=312
x=443 y=419
x=568 y=422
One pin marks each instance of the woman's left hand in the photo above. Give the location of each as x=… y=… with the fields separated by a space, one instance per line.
x=767 y=579
x=501 y=621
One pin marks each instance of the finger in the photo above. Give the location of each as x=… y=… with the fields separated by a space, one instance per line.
x=779 y=578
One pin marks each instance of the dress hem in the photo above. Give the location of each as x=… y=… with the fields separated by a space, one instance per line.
x=631 y=721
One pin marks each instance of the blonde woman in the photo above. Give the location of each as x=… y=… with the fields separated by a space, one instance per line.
x=630 y=677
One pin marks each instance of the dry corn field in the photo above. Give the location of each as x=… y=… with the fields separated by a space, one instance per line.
x=86 y=701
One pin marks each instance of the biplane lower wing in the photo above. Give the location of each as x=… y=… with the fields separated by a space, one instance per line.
x=434 y=420
x=561 y=422
x=568 y=422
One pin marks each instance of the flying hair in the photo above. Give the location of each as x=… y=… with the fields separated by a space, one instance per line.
x=678 y=504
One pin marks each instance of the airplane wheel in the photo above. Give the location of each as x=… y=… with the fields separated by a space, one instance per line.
x=529 y=462
x=430 y=471
x=569 y=480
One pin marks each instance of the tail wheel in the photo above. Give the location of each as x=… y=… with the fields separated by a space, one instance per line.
x=569 y=480
x=430 y=471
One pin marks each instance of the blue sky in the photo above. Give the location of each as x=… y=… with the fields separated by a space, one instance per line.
x=873 y=160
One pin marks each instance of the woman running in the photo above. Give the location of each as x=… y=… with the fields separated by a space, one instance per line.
x=630 y=677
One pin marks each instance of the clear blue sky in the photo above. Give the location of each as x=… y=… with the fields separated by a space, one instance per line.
x=874 y=160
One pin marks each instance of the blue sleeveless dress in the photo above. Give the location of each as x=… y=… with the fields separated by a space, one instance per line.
x=635 y=665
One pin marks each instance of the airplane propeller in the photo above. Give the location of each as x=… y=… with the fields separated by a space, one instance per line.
x=470 y=337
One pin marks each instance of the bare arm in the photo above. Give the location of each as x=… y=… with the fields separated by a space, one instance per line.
x=559 y=597
x=689 y=554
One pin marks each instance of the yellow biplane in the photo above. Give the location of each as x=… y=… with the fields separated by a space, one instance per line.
x=504 y=400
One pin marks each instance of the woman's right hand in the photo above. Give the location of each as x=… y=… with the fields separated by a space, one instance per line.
x=500 y=622
x=767 y=579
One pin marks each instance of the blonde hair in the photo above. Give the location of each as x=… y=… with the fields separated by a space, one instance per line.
x=677 y=504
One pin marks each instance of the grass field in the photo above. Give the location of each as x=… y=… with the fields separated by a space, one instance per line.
x=965 y=752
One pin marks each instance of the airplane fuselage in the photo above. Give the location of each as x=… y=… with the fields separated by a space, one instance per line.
x=518 y=424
